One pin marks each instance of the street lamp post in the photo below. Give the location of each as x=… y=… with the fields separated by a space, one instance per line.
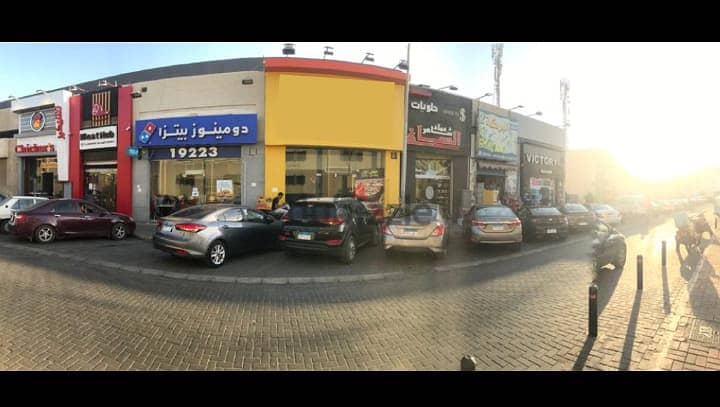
x=451 y=87
x=403 y=165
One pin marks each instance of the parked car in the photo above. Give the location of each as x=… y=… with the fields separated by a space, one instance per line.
x=609 y=247
x=579 y=217
x=15 y=204
x=543 y=221
x=336 y=226
x=214 y=232
x=417 y=227
x=50 y=219
x=493 y=224
x=632 y=206
x=606 y=213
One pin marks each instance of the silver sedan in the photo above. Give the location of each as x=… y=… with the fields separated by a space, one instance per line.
x=417 y=227
x=213 y=232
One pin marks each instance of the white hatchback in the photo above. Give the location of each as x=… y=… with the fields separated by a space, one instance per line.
x=14 y=204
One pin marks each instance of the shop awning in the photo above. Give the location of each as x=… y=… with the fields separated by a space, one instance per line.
x=493 y=168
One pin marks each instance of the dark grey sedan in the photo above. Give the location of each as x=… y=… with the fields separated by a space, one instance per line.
x=214 y=232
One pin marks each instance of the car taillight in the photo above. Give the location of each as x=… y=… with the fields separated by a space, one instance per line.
x=20 y=217
x=478 y=223
x=334 y=242
x=285 y=218
x=386 y=230
x=284 y=235
x=190 y=227
x=439 y=230
x=332 y=221
x=515 y=223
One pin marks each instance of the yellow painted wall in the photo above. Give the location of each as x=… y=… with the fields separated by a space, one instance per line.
x=319 y=110
x=332 y=111
x=274 y=170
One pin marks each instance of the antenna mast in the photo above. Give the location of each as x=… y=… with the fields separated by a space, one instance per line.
x=497 y=52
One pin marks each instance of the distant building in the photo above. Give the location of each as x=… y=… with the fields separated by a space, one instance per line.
x=595 y=172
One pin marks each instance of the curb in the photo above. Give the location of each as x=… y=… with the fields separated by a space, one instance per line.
x=279 y=280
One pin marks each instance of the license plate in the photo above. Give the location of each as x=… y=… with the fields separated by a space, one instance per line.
x=304 y=236
x=498 y=228
x=551 y=231
x=167 y=228
x=582 y=223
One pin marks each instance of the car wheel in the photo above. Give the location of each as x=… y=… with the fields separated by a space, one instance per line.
x=45 y=234
x=621 y=257
x=119 y=231
x=349 y=250
x=216 y=254
x=4 y=227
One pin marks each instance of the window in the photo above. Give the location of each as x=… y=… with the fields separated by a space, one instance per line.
x=296 y=155
x=295 y=180
x=23 y=204
x=545 y=211
x=253 y=216
x=575 y=208
x=197 y=212
x=495 y=211
x=234 y=215
x=66 y=207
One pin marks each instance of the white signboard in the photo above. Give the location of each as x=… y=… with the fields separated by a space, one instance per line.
x=99 y=137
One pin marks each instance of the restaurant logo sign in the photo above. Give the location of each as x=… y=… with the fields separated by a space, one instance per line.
x=37 y=121
x=197 y=130
x=99 y=137
x=438 y=120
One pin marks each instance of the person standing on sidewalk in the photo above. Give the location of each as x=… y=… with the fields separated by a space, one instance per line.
x=276 y=201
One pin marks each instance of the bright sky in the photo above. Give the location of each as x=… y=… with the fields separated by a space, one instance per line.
x=647 y=103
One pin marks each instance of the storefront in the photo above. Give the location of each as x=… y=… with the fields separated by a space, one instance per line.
x=42 y=144
x=333 y=129
x=195 y=160
x=542 y=175
x=496 y=153
x=438 y=140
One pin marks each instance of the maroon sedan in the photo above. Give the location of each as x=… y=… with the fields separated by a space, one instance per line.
x=69 y=217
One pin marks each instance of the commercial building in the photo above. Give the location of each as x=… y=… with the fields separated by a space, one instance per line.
x=333 y=128
x=542 y=161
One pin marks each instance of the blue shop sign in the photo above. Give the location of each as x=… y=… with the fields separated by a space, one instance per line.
x=197 y=130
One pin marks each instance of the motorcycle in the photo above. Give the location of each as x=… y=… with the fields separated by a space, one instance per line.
x=690 y=230
x=609 y=247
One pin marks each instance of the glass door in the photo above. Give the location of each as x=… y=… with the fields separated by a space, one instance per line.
x=100 y=186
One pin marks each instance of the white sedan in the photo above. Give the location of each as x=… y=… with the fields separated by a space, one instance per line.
x=606 y=213
x=16 y=203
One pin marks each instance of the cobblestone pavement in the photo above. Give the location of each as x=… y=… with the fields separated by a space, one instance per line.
x=525 y=313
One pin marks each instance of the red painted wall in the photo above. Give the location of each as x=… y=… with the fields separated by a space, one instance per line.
x=75 y=172
x=124 y=163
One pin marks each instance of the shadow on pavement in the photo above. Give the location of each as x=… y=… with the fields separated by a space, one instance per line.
x=582 y=357
x=607 y=280
x=630 y=333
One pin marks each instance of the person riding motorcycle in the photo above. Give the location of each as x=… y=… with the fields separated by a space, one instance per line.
x=690 y=230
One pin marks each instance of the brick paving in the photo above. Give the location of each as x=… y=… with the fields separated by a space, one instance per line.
x=528 y=313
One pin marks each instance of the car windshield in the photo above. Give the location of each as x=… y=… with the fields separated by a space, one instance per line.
x=494 y=211
x=418 y=211
x=314 y=210
x=600 y=207
x=575 y=208
x=545 y=211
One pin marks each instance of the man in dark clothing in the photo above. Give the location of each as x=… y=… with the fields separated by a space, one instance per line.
x=276 y=201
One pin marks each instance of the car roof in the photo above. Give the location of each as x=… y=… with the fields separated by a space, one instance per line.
x=28 y=197
x=324 y=200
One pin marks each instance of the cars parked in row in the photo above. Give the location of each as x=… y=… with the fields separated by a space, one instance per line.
x=215 y=232
x=335 y=226
x=606 y=213
x=417 y=227
x=493 y=224
x=15 y=203
x=50 y=219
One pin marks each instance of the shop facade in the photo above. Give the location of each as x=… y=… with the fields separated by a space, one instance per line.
x=333 y=129
x=41 y=145
x=438 y=145
x=497 y=170
x=99 y=165
x=199 y=140
x=542 y=175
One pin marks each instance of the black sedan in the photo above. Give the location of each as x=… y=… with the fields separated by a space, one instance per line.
x=541 y=222
x=579 y=217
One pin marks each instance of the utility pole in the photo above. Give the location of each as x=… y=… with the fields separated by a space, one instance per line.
x=403 y=169
x=497 y=52
x=565 y=98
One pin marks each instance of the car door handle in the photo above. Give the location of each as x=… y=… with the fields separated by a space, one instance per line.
x=86 y=217
x=56 y=215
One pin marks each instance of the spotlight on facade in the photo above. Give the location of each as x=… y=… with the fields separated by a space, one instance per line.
x=402 y=65
x=517 y=107
x=39 y=91
x=369 y=56
x=105 y=83
x=484 y=96
x=538 y=113
x=329 y=51
x=11 y=97
x=75 y=88
x=451 y=87
x=289 y=49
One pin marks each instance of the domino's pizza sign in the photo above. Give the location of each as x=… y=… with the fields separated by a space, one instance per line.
x=197 y=130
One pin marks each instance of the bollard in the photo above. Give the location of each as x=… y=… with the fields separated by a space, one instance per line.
x=468 y=363
x=593 y=311
x=639 y=272
x=664 y=253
